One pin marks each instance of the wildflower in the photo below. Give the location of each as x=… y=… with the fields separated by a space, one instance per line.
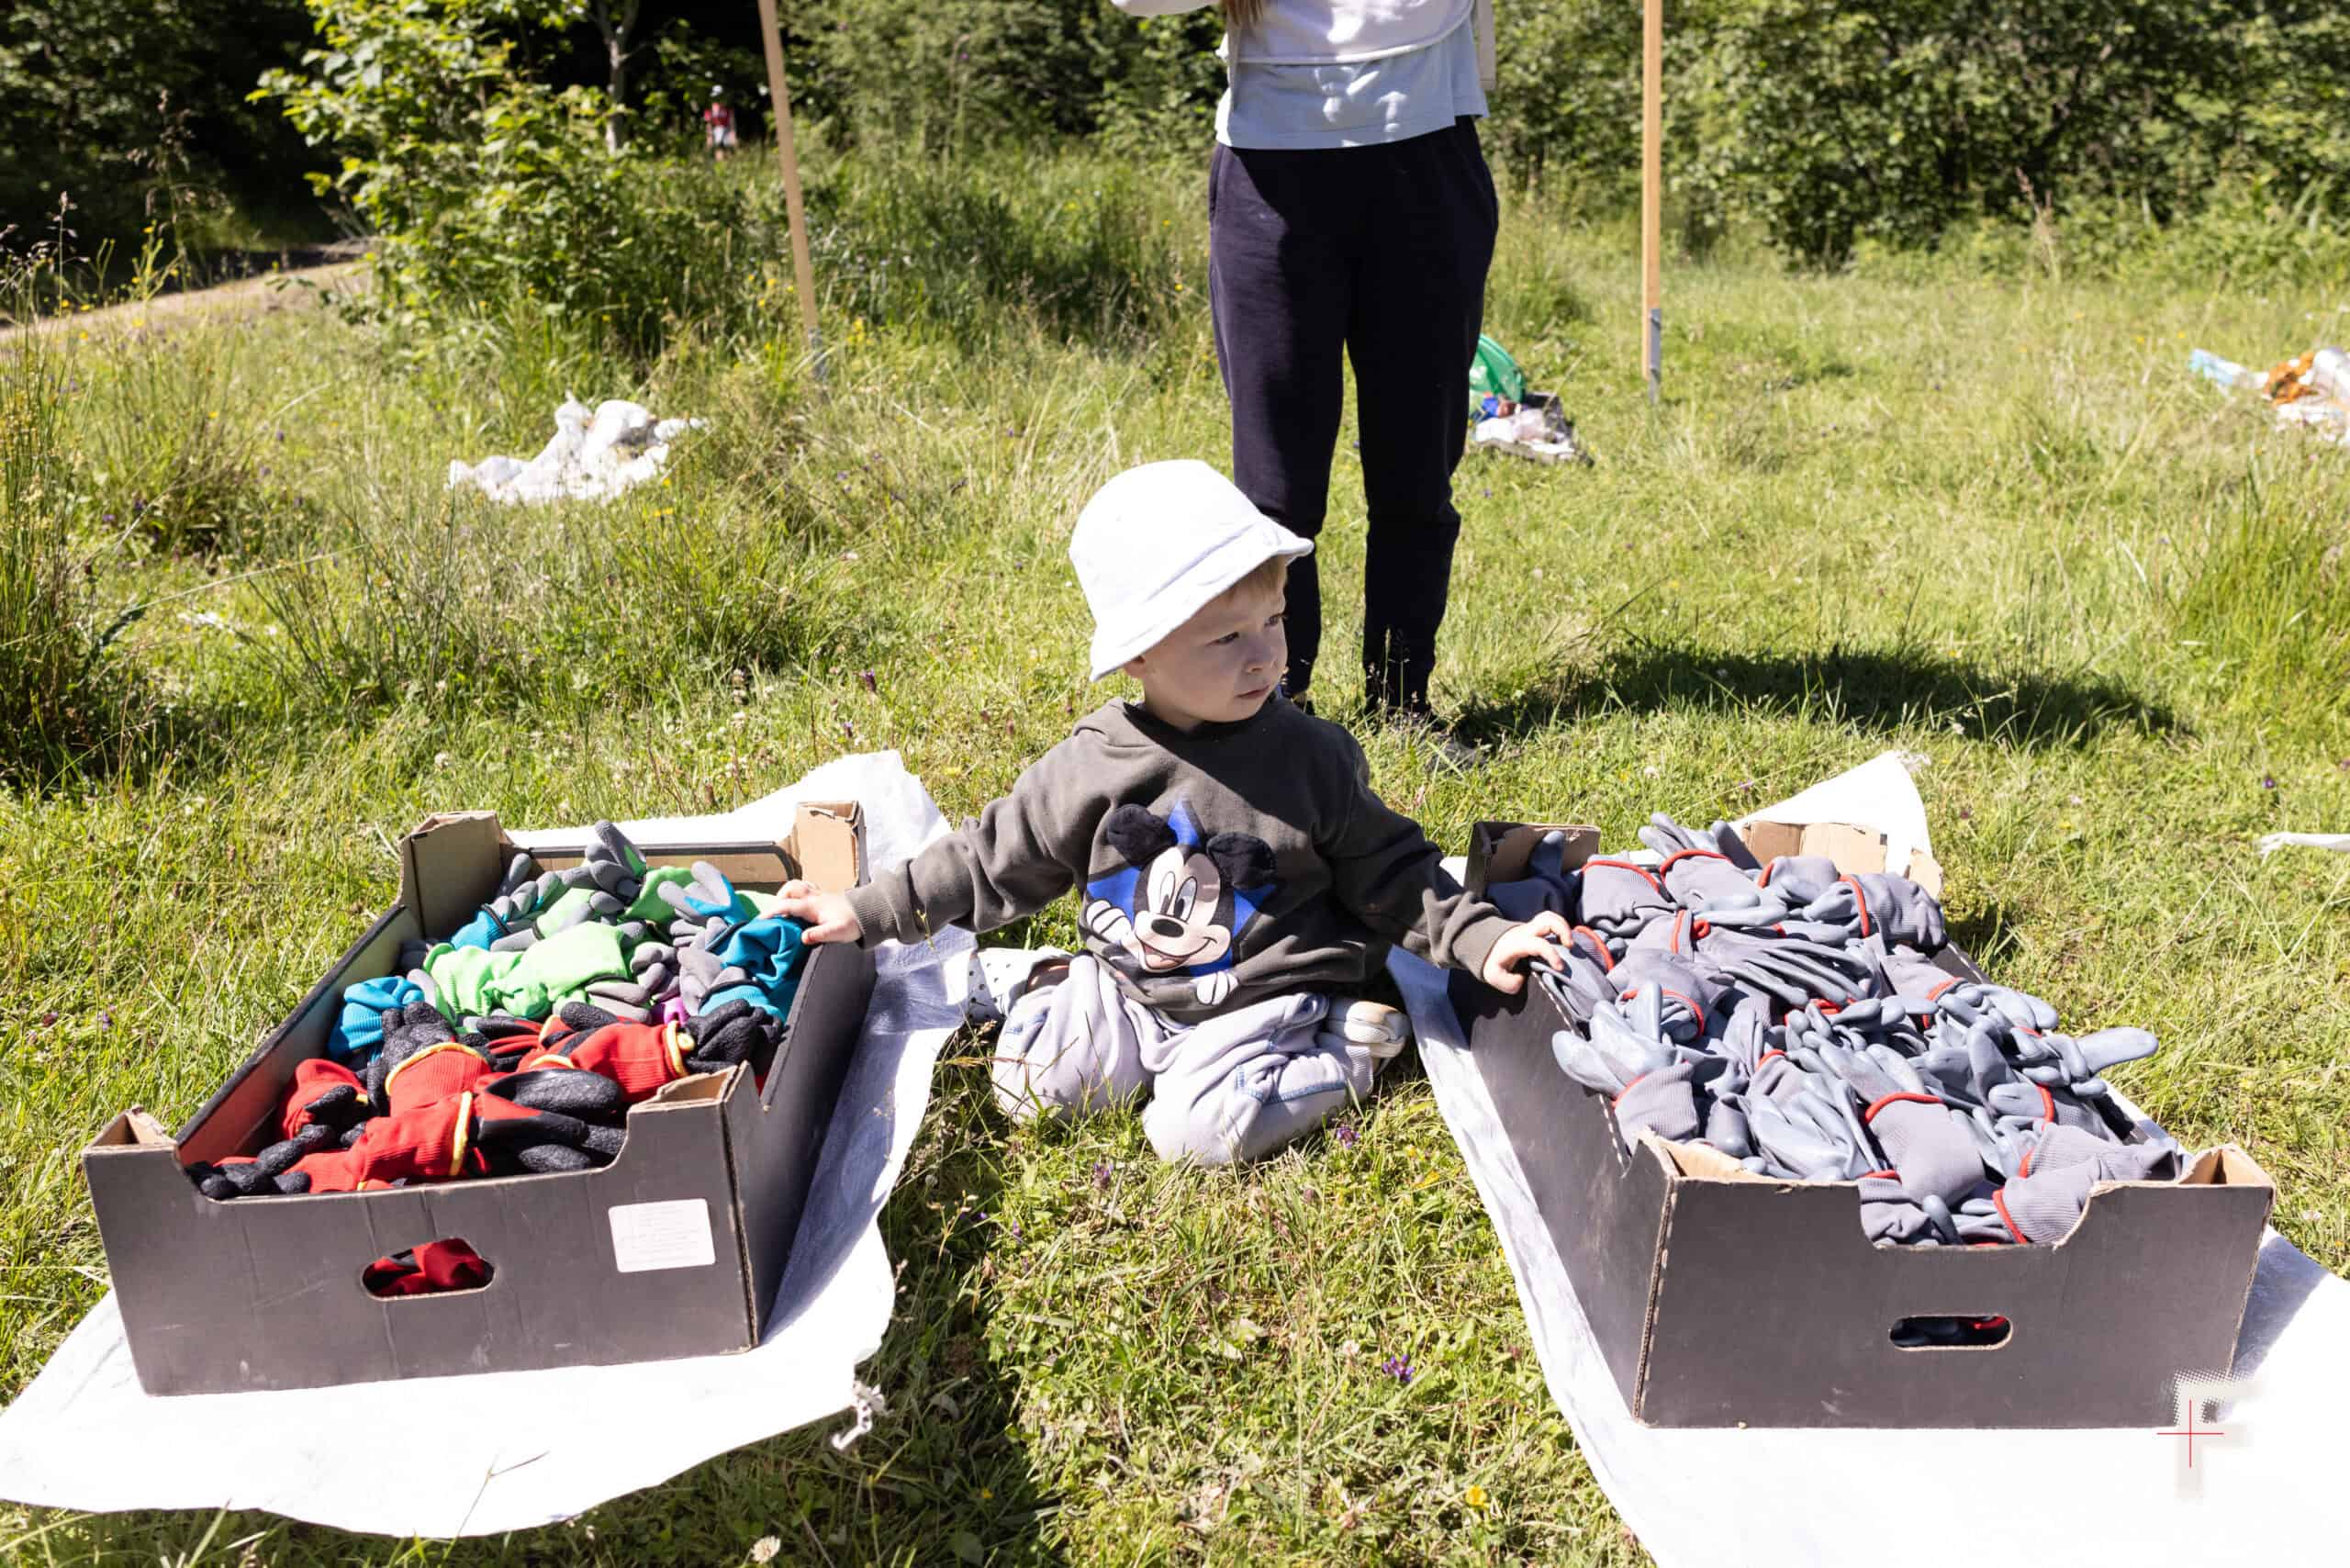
x=2267 y=782
x=47 y=1019
x=1346 y=1135
x=865 y=678
x=1102 y=1171
x=105 y=1018
x=109 y=517
x=1397 y=1367
x=1476 y=1498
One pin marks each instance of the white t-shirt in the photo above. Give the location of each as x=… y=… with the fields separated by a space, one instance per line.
x=1392 y=98
x=1324 y=32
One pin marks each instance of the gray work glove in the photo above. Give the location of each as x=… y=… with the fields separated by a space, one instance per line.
x=2060 y=1059
x=1699 y=878
x=1870 y=903
x=1909 y=972
x=612 y=865
x=2045 y=1201
x=1666 y=837
x=1620 y=899
x=1799 y=879
x=1891 y=1214
x=1791 y=971
x=1617 y=1049
x=1812 y=1136
x=699 y=972
x=1580 y=983
x=1662 y=1101
x=1686 y=995
x=1932 y=1149
x=1970 y=1001
x=1547 y=885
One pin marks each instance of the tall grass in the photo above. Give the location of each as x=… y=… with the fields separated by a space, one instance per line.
x=62 y=694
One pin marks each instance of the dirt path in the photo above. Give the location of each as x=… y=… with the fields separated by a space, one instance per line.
x=297 y=289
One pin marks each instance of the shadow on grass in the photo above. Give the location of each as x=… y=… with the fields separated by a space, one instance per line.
x=1860 y=688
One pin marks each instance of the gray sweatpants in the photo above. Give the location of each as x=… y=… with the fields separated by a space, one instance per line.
x=1234 y=1087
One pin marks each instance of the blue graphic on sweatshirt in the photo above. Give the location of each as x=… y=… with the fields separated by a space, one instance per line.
x=1179 y=900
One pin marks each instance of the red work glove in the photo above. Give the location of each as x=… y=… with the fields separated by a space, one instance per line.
x=424 y=1271
x=643 y=1057
x=324 y=1102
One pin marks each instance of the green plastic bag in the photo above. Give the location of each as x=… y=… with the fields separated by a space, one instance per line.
x=1494 y=373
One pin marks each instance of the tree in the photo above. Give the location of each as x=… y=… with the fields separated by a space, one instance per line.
x=616 y=21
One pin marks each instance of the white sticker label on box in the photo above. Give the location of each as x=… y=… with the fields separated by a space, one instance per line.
x=662 y=1236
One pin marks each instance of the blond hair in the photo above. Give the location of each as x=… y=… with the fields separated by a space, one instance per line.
x=1269 y=576
x=1239 y=13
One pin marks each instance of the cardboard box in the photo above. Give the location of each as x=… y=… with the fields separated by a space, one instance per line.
x=1721 y=1298
x=674 y=1249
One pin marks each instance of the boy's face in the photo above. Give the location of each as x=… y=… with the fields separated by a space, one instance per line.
x=1219 y=665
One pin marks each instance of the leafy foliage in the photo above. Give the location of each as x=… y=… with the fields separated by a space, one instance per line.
x=1830 y=123
x=92 y=90
x=483 y=182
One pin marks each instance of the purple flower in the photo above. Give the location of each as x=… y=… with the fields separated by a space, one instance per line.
x=865 y=678
x=1346 y=1135
x=1397 y=1367
x=1101 y=1169
x=47 y=1019
x=105 y=1018
x=109 y=517
x=2266 y=782
x=848 y=730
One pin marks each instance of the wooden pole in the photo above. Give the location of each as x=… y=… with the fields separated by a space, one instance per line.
x=1652 y=196
x=803 y=271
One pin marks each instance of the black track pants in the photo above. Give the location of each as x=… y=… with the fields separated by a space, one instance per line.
x=1382 y=251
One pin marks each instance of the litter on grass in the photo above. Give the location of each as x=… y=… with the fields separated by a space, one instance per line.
x=1510 y=417
x=2270 y=842
x=593 y=456
x=2310 y=391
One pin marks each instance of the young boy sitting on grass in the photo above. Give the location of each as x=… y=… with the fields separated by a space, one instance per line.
x=1241 y=882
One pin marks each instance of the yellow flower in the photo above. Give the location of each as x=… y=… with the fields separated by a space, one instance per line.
x=1476 y=1498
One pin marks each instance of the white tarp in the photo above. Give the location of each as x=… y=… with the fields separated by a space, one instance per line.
x=1924 y=1498
x=592 y=457
x=84 y=1436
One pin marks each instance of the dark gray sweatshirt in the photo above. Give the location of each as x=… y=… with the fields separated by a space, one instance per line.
x=1217 y=866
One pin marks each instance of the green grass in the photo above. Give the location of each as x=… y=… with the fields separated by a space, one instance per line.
x=1994 y=523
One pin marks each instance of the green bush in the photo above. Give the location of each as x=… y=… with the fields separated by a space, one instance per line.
x=481 y=182
x=1831 y=126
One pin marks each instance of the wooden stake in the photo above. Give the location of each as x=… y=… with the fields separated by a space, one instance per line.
x=803 y=271
x=1652 y=196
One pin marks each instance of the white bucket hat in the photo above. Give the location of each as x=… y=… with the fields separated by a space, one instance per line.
x=1155 y=544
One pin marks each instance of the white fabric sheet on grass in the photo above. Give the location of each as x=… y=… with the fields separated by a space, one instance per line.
x=592 y=457
x=484 y=1455
x=1829 y=1498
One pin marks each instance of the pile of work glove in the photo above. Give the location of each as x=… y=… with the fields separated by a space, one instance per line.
x=517 y=1044
x=1789 y=1015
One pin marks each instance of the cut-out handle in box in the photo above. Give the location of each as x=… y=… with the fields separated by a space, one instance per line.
x=448 y=1266
x=1952 y=1331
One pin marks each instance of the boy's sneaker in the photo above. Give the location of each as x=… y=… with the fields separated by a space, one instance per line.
x=1381 y=1030
x=1001 y=976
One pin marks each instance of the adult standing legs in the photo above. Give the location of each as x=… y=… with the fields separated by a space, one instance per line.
x=1418 y=301
x=1278 y=264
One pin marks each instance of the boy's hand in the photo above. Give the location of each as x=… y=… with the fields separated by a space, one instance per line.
x=1520 y=943
x=826 y=915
